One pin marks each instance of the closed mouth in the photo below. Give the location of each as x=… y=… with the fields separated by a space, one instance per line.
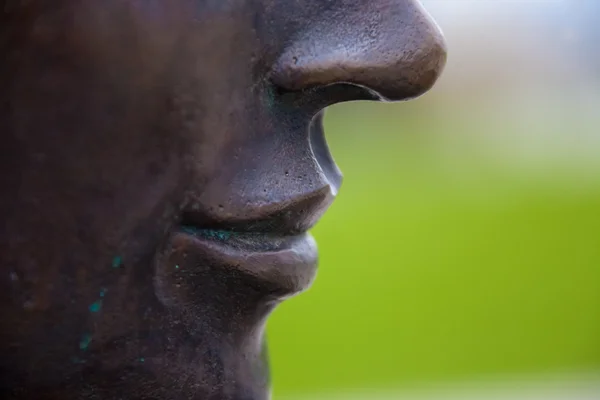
x=244 y=240
x=269 y=242
x=285 y=262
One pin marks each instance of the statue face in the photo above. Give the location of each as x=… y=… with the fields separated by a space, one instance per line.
x=162 y=162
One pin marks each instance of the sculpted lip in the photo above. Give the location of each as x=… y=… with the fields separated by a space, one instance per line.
x=268 y=241
x=286 y=261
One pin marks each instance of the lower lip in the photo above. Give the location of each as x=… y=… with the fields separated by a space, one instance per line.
x=286 y=262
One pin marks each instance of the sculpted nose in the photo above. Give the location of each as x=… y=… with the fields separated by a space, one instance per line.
x=391 y=47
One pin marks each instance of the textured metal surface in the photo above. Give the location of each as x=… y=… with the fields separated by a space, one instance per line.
x=161 y=163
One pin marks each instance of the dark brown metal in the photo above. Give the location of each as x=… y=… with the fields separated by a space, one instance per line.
x=161 y=163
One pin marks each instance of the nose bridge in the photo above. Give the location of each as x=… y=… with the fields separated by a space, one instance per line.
x=392 y=47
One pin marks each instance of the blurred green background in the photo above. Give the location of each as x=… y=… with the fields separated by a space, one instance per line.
x=464 y=243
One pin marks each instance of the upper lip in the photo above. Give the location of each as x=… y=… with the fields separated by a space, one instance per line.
x=282 y=219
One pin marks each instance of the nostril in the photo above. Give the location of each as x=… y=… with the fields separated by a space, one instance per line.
x=315 y=98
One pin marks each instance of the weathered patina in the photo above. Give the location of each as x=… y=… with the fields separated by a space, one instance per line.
x=161 y=163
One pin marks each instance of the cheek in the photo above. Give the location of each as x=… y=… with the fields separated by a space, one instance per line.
x=83 y=228
x=138 y=199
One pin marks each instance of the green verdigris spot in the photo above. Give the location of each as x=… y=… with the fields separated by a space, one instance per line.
x=117 y=261
x=209 y=233
x=95 y=306
x=85 y=341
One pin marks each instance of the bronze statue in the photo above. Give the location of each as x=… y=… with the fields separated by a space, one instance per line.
x=162 y=161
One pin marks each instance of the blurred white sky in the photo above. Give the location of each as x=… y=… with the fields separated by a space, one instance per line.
x=529 y=70
x=475 y=8
x=520 y=41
